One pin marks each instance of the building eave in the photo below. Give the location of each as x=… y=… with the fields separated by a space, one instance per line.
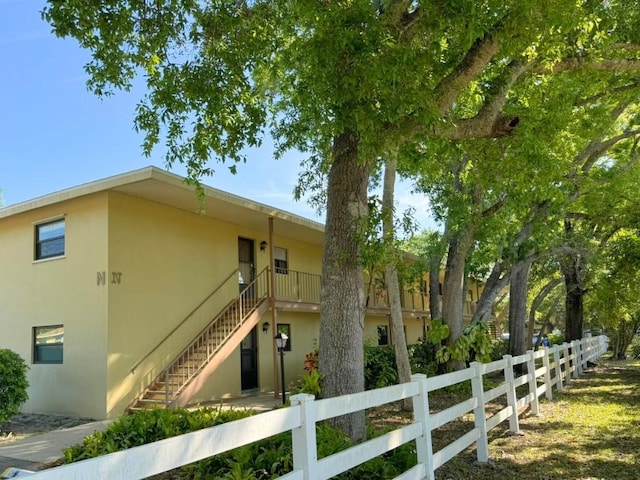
x=157 y=185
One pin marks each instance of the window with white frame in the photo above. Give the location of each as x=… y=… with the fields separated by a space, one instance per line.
x=280 y=260
x=49 y=239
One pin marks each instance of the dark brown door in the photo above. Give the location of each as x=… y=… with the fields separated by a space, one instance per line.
x=249 y=346
x=246 y=267
x=249 y=361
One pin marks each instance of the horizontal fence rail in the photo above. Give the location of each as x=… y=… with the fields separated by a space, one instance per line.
x=546 y=369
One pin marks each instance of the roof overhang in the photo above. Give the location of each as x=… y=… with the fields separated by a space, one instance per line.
x=160 y=186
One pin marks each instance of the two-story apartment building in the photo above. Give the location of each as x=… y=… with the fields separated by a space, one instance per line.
x=130 y=289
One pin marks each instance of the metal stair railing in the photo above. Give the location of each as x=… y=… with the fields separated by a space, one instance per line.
x=233 y=275
x=188 y=363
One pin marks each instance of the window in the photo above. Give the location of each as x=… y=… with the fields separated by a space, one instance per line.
x=285 y=328
x=50 y=239
x=280 y=260
x=47 y=344
x=383 y=335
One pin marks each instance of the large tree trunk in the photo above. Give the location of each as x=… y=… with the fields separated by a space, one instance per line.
x=622 y=337
x=572 y=271
x=497 y=280
x=535 y=305
x=342 y=296
x=435 y=309
x=518 y=309
x=453 y=290
x=574 y=309
x=393 y=285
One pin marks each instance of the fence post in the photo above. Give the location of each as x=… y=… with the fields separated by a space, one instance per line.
x=575 y=350
x=547 y=374
x=558 y=367
x=581 y=365
x=512 y=399
x=567 y=363
x=305 y=453
x=424 y=443
x=477 y=388
x=586 y=352
x=533 y=382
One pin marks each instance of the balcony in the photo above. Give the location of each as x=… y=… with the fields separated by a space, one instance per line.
x=295 y=290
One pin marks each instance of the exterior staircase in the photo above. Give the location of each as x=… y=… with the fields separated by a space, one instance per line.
x=214 y=344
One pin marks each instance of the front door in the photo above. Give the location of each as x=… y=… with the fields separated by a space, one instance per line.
x=249 y=361
x=246 y=267
x=249 y=346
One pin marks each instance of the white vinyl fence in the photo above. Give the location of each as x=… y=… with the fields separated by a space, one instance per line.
x=548 y=368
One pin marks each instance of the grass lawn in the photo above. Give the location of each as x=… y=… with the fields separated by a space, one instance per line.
x=589 y=431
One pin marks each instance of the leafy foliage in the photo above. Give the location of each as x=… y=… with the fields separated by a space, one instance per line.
x=13 y=383
x=379 y=367
x=474 y=344
x=310 y=382
x=261 y=460
x=146 y=426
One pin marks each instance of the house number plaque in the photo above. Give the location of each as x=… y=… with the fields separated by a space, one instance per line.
x=101 y=278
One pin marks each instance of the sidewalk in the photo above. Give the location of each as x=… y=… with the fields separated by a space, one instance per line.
x=44 y=448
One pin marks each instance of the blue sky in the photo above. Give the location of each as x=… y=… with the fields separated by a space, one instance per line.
x=54 y=134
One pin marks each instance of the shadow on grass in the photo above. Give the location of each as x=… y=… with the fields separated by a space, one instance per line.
x=589 y=431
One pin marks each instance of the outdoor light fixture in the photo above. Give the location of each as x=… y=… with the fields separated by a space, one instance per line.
x=281 y=342
x=265 y=327
x=263 y=245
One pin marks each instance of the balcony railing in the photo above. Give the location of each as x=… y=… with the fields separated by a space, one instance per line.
x=297 y=286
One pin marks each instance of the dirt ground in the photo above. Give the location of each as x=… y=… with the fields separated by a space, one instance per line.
x=24 y=425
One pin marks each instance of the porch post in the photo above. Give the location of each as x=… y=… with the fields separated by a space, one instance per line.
x=272 y=306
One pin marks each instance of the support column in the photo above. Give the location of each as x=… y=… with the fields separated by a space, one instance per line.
x=272 y=306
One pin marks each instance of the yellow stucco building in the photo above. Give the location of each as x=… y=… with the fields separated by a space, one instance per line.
x=128 y=289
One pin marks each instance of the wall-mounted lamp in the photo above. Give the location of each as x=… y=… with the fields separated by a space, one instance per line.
x=263 y=245
x=265 y=327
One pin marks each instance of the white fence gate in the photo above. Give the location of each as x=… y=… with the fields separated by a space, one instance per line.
x=547 y=368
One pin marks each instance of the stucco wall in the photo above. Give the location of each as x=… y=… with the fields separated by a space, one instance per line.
x=64 y=291
x=169 y=260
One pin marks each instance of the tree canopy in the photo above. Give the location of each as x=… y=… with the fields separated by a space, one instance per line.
x=347 y=82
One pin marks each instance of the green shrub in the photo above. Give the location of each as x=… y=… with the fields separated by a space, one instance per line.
x=379 y=367
x=13 y=384
x=473 y=345
x=556 y=338
x=146 y=426
x=422 y=356
x=310 y=382
x=260 y=460
x=500 y=348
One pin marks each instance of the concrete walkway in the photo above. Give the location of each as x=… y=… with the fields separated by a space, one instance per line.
x=44 y=448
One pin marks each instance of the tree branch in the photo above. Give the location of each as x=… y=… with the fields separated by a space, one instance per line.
x=606 y=65
x=475 y=60
x=595 y=98
x=602 y=147
x=489 y=122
